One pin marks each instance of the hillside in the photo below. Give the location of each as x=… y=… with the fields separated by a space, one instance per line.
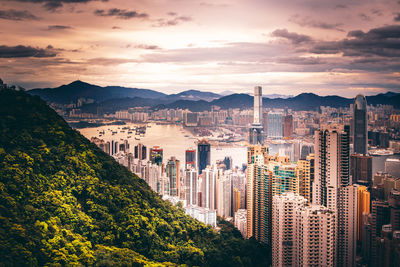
x=65 y=202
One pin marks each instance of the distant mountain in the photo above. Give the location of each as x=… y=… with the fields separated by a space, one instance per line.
x=194 y=95
x=234 y=101
x=72 y=92
x=195 y=106
x=272 y=96
x=111 y=98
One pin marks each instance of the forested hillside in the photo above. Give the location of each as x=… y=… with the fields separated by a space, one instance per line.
x=65 y=202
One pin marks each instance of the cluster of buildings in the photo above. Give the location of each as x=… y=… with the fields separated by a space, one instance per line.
x=328 y=209
x=308 y=189
x=206 y=190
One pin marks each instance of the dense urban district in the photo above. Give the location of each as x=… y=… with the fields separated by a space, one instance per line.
x=319 y=186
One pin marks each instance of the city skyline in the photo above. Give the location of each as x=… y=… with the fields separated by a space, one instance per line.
x=326 y=48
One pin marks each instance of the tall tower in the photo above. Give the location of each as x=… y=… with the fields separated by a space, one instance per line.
x=256 y=129
x=360 y=125
x=259 y=199
x=190 y=157
x=203 y=155
x=172 y=171
x=331 y=165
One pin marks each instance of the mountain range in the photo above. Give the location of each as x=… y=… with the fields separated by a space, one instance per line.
x=111 y=98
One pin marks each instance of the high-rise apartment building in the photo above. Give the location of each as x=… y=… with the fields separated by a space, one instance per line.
x=256 y=133
x=307 y=176
x=331 y=165
x=259 y=196
x=190 y=186
x=285 y=177
x=224 y=195
x=392 y=167
x=284 y=209
x=363 y=207
x=275 y=125
x=302 y=235
x=172 y=171
x=287 y=126
x=208 y=189
x=140 y=151
x=315 y=236
x=360 y=125
x=347 y=225
x=361 y=168
x=190 y=157
x=241 y=221
x=156 y=155
x=203 y=155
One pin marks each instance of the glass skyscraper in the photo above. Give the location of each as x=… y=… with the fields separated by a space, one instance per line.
x=360 y=125
x=203 y=155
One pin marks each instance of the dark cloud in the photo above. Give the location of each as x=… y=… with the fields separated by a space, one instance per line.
x=397 y=18
x=382 y=42
x=308 y=22
x=55 y=4
x=109 y=61
x=340 y=6
x=300 y=60
x=58 y=27
x=364 y=17
x=120 y=13
x=172 y=22
x=295 y=38
x=147 y=47
x=21 y=51
x=12 y=14
x=377 y=12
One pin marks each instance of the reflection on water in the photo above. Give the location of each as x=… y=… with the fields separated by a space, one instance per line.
x=170 y=137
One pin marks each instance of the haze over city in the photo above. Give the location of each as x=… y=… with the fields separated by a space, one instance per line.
x=288 y=47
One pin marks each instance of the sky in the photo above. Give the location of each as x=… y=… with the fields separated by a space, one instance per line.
x=327 y=47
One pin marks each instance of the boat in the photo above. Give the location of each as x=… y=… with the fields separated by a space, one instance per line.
x=137 y=138
x=128 y=136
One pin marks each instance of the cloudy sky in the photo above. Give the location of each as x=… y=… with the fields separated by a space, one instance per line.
x=326 y=47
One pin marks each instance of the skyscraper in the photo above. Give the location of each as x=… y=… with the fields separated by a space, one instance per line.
x=363 y=207
x=203 y=155
x=287 y=126
x=347 y=225
x=360 y=125
x=259 y=196
x=302 y=235
x=156 y=155
x=307 y=176
x=208 y=189
x=190 y=157
x=331 y=165
x=172 y=170
x=275 y=125
x=283 y=221
x=361 y=168
x=256 y=129
x=140 y=151
x=190 y=186
x=315 y=236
